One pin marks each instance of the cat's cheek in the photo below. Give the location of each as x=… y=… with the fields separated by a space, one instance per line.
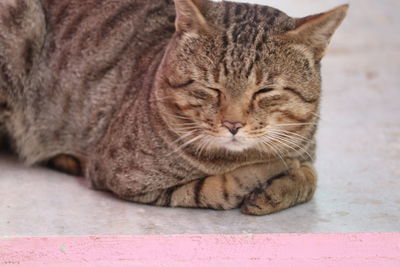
x=260 y=115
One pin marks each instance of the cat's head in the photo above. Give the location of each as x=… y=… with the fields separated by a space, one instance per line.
x=239 y=76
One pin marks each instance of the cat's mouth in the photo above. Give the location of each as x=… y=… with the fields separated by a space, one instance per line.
x=234 y=140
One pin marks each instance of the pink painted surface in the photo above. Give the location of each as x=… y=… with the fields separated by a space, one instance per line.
x=205 y=250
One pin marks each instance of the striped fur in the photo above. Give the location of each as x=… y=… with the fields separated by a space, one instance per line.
x=139 y=95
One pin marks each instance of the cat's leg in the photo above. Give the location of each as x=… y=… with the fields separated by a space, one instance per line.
x=295 y=187
x=251 y=185
x=221 y=192
x=225 y=191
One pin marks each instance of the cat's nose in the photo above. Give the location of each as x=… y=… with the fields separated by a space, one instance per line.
x=233 y=127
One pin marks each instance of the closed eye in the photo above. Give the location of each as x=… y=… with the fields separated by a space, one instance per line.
x=200 y=94
x=263 y=91
x=206 y=94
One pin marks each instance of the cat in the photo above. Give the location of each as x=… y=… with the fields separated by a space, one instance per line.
x=185 y=103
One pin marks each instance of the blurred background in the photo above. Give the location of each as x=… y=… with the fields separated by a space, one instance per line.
x=358 y=153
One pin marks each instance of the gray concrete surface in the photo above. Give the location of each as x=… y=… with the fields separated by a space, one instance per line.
x=358 y=154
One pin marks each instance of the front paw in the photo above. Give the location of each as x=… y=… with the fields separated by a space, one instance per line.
x=270 y=199
x=298 y=186
x=67 y=164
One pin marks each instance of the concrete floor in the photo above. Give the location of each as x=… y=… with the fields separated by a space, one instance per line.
x=358 y=154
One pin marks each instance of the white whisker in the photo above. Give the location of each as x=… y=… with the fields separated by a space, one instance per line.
x=274 y=150
x=284 y=140
x=194 y=139
x=202 y=147
x=299 y=136
x=187 y=128
x=296 y=124
x=316 y=115
x=183 y=137
x=181 y=117
x=291 y=136
x=185 y=124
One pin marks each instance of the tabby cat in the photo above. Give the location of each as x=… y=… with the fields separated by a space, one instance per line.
x=187 y=103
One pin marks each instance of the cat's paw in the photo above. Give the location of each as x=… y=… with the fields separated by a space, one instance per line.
x=263 y=201
x=67 y=164
x=289 y=190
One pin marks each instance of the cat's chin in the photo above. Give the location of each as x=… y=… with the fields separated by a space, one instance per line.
x=235 y=145
x=234 y=148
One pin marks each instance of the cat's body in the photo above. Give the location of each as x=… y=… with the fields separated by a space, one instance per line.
x=75 y=72
x=102 y=81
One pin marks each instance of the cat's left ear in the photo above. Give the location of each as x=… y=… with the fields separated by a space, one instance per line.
x=189 y=15
x=316 y=31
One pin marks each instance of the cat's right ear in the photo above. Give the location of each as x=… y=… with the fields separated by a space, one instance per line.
x=316 y=31
x=189 y=17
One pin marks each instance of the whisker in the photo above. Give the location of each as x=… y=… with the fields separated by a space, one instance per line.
x=276 y=138
x=296 y=124
x=317 y=115
x=183 y=137
x=274 y=150
x=285 y=140
x=199 y=147
x=185 y=127
x=298 y=135
x=188 y=128
x=194 y=139
x=181 y=117
x=292 y=135
x=185 y=123
x=204 y=143
x=178 y=117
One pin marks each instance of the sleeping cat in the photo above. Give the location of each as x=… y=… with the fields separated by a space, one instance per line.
x=187 y=103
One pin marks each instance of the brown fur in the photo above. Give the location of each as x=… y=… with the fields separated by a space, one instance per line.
x=197 y=104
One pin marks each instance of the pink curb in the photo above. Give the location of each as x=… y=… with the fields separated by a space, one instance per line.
x=378 y=249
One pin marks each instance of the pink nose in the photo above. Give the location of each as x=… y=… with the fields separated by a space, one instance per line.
x=233 y=127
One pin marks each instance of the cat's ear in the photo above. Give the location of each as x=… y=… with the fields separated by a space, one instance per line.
x=316 y=31
x=189 y=15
